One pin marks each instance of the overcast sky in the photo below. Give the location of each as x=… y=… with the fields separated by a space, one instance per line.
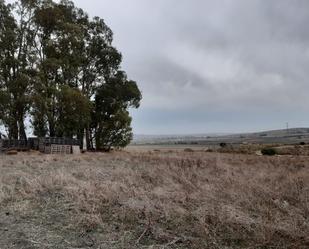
x=213 y=66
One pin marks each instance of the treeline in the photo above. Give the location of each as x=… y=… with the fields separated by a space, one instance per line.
x=59 y=69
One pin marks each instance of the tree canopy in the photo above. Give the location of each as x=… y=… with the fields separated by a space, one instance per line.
x=59 y=69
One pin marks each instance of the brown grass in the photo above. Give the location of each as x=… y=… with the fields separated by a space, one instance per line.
x=154 y=200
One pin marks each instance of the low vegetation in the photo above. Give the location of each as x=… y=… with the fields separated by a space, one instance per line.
x=269 y=151
x=154 y=200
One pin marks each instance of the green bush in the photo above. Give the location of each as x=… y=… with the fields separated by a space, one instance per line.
x=269 y=151
x=223 y=145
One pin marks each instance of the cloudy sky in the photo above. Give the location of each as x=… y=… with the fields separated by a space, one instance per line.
x=213 y=66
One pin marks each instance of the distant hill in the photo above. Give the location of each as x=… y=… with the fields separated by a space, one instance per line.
x=286 y=136
x=276 y=133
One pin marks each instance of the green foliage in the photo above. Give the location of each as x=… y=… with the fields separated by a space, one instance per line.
x=111 y=118
x=114 y=131
x=74 y=112
x=59 y=67
x=269 y=152
x=17 y=68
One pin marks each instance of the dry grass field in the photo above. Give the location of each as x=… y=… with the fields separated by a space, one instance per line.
x=154 y=200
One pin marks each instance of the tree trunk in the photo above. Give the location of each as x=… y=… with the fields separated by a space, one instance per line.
x=22 y=130
x=80 y=138
x=52 y=132
x=13 y=130
x=88 y=143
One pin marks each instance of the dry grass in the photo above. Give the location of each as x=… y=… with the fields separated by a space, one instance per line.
x=253 y=149
x=154 y=200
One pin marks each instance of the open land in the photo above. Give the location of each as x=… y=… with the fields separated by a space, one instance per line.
x=287 y=136
x=154 y=199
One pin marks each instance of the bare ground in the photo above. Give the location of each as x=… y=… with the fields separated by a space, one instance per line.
x=154 y=200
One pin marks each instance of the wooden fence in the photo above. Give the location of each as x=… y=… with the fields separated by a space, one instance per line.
x=13 y=144
x=45 y=144
x=48 y=145
x=58 y=149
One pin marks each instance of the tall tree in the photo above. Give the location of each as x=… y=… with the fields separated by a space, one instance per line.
x=59 y=41
x=16 y=68
x=8 y=29
x=60 y=66
x=101 y=62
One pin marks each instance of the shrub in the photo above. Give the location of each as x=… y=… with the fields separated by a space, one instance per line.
x=208 y=149
x=269 y=151
x=223 y=145
x=12 y=152
x=188 y=150
x=302 y=143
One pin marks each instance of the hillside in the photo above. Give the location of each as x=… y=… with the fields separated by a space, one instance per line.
x=291 y=136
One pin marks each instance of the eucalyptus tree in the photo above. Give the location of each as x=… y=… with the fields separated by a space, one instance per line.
x=59 y=66
x=59 y=43
x=111 y=121
x=17 y=68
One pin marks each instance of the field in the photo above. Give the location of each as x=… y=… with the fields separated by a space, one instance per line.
x=154 y=199
x=288 y=137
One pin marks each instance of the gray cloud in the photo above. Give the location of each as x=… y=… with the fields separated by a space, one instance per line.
x=198 y=60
